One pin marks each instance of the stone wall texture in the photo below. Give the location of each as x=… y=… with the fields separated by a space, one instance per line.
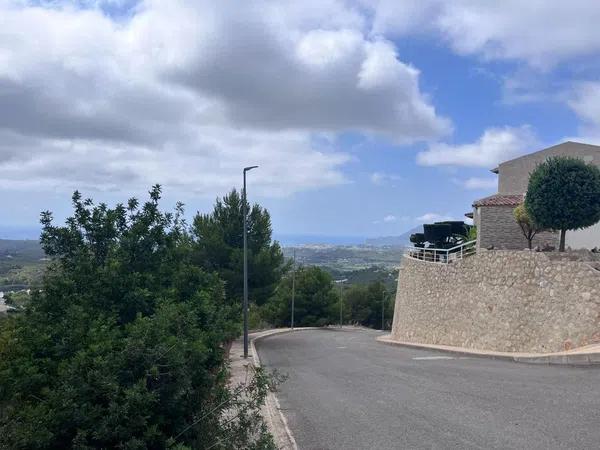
x=496 y=226
x=517 y=301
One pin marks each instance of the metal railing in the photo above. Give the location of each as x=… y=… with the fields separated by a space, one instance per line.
x=441 y=255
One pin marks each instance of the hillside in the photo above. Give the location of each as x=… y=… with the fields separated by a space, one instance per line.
x=346 y=257
x=22 y=264
x=358 y=264
x=401 y=240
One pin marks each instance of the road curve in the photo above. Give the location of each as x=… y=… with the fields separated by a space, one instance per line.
x=347 y=391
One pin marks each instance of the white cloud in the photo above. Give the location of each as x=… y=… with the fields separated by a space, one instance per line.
x=390 y=218
x=477 y=183
x=585 y=101
x=433 y=217
x=540 y=32
x=494 y=146
x=380 y=178
x=186 y=93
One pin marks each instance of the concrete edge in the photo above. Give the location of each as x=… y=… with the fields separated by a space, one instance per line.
x=573 y=359
x=276 y=421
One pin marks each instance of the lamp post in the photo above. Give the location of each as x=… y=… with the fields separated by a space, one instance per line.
x=293 y=287
x=341 y=283
x=382 y=309
x=245 y=214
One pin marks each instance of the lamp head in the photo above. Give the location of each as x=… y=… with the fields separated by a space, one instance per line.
x=246 y=169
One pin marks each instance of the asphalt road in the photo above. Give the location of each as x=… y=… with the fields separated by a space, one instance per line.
x=347 y=391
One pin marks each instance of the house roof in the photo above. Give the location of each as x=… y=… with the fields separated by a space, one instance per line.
x=500 y=200
x=564 y=145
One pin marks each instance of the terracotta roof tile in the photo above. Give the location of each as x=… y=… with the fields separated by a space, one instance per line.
x=500 y=200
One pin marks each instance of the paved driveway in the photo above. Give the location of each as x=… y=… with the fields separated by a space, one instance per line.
x=346 y=391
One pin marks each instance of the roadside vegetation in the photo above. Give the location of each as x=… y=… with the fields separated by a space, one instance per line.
x=317 y=302
x=123 y=341
x=125 y=344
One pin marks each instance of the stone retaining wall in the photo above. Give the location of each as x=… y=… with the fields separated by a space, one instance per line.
x=499 y=300
x=496 y=226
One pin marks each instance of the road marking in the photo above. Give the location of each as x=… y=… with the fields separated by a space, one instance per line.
x=428 y=358
x=340 y=347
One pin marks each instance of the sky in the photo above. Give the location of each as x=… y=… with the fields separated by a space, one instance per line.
x=365 y=117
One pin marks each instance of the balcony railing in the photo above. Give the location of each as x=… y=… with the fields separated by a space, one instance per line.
x=441 y=255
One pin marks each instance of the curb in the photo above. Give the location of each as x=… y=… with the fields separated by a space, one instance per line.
x=566 y=359
x=276 y=419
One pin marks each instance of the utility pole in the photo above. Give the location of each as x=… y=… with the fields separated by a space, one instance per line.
x=245 y=214
x=293 y=287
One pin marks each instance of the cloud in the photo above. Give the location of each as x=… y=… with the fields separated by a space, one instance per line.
x=494 y=146
x=211 y=167
x=477 y=183
x=539 y=32
x=390 y=218
x=433 y=217
x=380 y=178
x=186 y=93
x=585 y=102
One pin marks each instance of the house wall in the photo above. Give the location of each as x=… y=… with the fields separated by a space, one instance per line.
x=496 y=226
x=513 y=176
x=587 y=238
x=518 y=301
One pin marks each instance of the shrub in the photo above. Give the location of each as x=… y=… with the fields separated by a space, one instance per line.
x=124 y=346
x=528 y=227
x=316 y=300
x=564 y=194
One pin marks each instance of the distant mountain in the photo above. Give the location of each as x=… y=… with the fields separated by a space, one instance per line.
x=291 y=240
x=394 y=241
x=19 y=232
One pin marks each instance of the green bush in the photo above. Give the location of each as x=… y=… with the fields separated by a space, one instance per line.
x=364 y=304
x=218 y=245
x=471 y=233
x=528 y=227
x=564 y=194
x=123 y=347
x=316 y=300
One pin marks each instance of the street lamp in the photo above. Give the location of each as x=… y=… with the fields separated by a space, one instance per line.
x=245 y=214
x=293 y=288
x=383 y=309
x=341 y=283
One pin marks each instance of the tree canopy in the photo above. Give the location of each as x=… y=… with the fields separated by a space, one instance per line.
x=316 y=301
x=218 y=246
x=124 y=345
x=528 y=227
x=365 y=302
x=564 y=194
